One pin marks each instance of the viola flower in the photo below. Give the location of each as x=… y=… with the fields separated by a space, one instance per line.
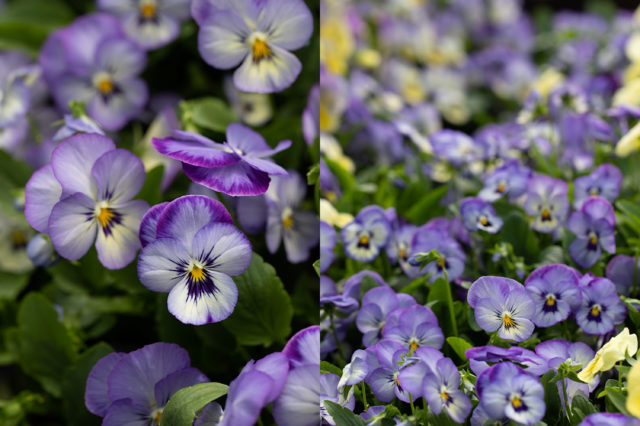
x=367 y=235
x=133 y=388
x=604 y=181
x=311 y=116
x=15 y=95
x=456 y=147
x=609 y=419
x=502 y=305
x=477 y=214
x=194 y=255
x=555 y=292
x=523 y=394
x=510 y=179
x=330 y=391
x=254 y=109
x=239 y=166
x=411 y=377
x=601 y=307
x=41 y=251
x=377 y=304
x=286 y=221
x=633 y=391
x=328 y=239
x=546 y=201
x=84 y=196
x=415 y=327
x=362 y=363
x=594 y=227
x=14 y=236
x=399 y=249
x=621 y=271
x=383 y=380
x=442 y=391
x=329 y=296
x=150 y=23
x=92 y=62
x=452 y=257
x=480 y=357
x=257 y=35
x=73 y=125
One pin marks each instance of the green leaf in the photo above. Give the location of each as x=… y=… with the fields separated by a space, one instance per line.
x=634 y=315
x=460 y=346
x=327 y=367
x=45 y=347
x=184 y=405
x=74 y=384
x=428 y=206
x=313 y=175
x=618 y=399
x=12 y=284
x=581 y=408
x=209 y=113
x=550 y=255
x=551 y=397
x=264 y=311
x=343 y=416
x=16 y=172
x=631 y=214
x=516 y=230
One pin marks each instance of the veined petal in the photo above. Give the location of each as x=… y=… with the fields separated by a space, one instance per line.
x=72 y=226
x=265 y=165
x=221 y=40
x=125 y=413
x=149 y=223
x=202 y=305
x=121 y=57
x=117 y=246
x=73 y=159
x=245 y=139
x=195 y=151
x=247 y=396
x=272 y=74
x=223 y=248
x=239 y=179
x=288 y=22
x=114 y=112
x=161 y=263
x=299 y=402
x=96 y=398
x=151 y=33
x=119 y=176
x=41 y=193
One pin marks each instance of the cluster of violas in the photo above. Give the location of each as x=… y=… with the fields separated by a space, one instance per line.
x=548 y=145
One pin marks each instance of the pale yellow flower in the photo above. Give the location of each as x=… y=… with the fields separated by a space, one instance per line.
x=633 y=390
x=629 y=94
x=329 y=214
x=331 y=148
x=548 y=81
x=336 y=42
x=632 y=48
x=612 y=352
x=629 y=142
x=368 y=58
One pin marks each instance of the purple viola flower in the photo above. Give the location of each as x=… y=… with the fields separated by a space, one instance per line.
x=604 y=181
x=456 y=147
x=442 y=391
x=377 y=304
x=502 y=305
x=91 y=61
x=392 y=358
x=133 y=388
x=505 y=390
x=15 y=95
x=367 y=235
x=415 y=327
x=601 y=307
x=477 y=215
x=480 y=357
x=286 y=221
x=609 y=419
x=399 y=249
x=452 y=257
x=330 y=391
x=594 y=226
x=621 y=272
x=555 y=292
x=239 y=166
x=150 y=23
x=362 y=363
x=73 y=125
x=329 y=296
x=195 y=252
x=547 y=202
x=311 y=116
x=85 y=196
x=510 y=179
x=328 y=239
x=257 y=36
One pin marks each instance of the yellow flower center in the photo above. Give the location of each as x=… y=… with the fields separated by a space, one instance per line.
x=508 y=321
x=546 y=214
x=402 y=253
x=440 y=262
x=484 y=221
x=158 y=417
x=260 y=50
x=413 y=345
x=445 y=396
x=551 y=300
x=595 y=310
x=501 y=187
x=148 y=10
x=287 y=218
x=364 y=240
x=197 y=274
x=594 y=191
x=516 y=402
x=105 y=216
x=593 y=239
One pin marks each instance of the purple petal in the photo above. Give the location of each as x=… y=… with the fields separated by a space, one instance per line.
x=382 y=384
x=157 y=264
x=121 y=57
x=224 y=243
x=95 y=396
x=119 y=175
x=265 y=165
x=126 y=413
x=304 y=347
x=221 y=40
x=299 y=402
x=114 y=112
x=289 y=23
x=41 y=193
x=152 y=33
x=583 y=253
x=197 y=151
x=251 y=213
x=246 y=140
x=211 y=415
x=238 y=179
x=276 y=366
x=72 y=226
x=175 y=381
x=149 y=223
x=246 y=397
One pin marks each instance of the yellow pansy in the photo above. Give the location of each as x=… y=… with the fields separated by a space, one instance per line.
x=550 y=80
x=329 y=214
x=629 y=142
x=331 y=148
x=612 y=352
x=633 y=390
x=336 y=43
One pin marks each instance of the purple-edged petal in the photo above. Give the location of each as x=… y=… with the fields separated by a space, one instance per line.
x=175 y=381
x=185 y=216
x=265 y=165
x=72 y=226
x=299 y=402
x=41 y=193
x=276 y=366
x=238 y=179
x=149 y=223
x=221 y=40
x=288 y=22
x=211 y=415
x=195 y=151
x=584 y=253
x=136 y=375
x=121 y=57
x=157 y=264
x=119 y=175
x=246 y=397
x=74 y=158
x=126 y=413
x=96 y=398
x=304 y=347
x=269 y=75
x=224 y=243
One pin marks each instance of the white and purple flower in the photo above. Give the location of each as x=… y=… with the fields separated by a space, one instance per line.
x=367 y=235
x=546 y=201
x=601 y=307
x=555 y=291
x=478 y=215
x=593 y=226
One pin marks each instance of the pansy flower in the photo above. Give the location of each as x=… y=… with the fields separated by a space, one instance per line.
x=604 y=181
x=477 y=215
x=399 y=249
x=456 y=147
x=330 y=391
x=257 y=36
x=195 y=252
x=377 y=304
x=480 y=357
x=546 y=201
x=601 y=307
x=609 y=419
x=15 y=96
x=502 y=305
x=240 y=166
x=367 y=235
x=510 y=179
x=414 y=327
x=150 y=23
x=505 y=390
x=392 y=358
x=85 y=196
x=555 y=291
x=311 y=116
x=254 y=109
x=594 y=226
x=452 y=257
x=442 y=391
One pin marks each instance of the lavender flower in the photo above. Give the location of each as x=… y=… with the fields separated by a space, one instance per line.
x=15 y=95
x=555 y=291
x=377 y=304
x=480 y=357
x=150 y=23
x=133 y=388
x=479 y=215
x=399 y=249
x=80 y=124
x=442 y=391
x=604 y=181
x=194 y=255
x=367 y=235
x=257 y=35
x=84 y=195
x=609 y=419
x=547 y=202
x=328 y=241
x=414 y=327
x=330 y=391
x=456 y=147
x=238 y=166
x=311 y=116
x=384 y=379
x=502 y=305
x=452 y=257
x=601 y=307
x=594 y=228
x=510 y=179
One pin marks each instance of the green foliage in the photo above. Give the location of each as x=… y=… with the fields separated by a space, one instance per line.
x=184 y=405
x=343 y=416
x=207 y=113
x=459 y=346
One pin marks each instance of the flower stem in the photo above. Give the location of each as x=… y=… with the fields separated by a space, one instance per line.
x=364 y=396
x=567 y=409
x=413 y=408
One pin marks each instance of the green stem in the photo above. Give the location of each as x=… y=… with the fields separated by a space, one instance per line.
x=413 y=408
x=452 y=313
x=567 y=409
x=335 y=336
x=364 y=396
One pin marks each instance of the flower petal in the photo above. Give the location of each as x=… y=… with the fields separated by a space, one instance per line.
x=119 y=175
x=41 y=193
x=120 y=57
x=238 y=179
x=197 y=151
x=272 y=74
x=221 y=40
x=114 y=112
x=160 y=262
x=149 y=223
x=96 y=398
x=288 y=22
x=299 y=402
x=151 y=33
x=247 y=396
x=222 y=244
x=175 y=381
x=72 y=226
x=126 y=413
